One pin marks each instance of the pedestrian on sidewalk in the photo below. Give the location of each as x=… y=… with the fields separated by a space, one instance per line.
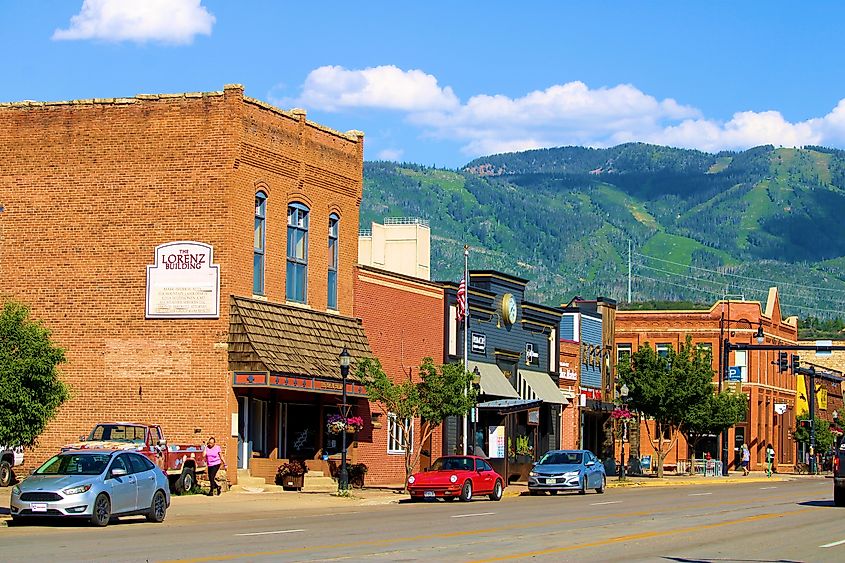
x=746 y=459
x=770 y=460
x=213 y=460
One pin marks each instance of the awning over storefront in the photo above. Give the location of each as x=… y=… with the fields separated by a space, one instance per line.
x=273 y=345
x=493 y=381
x=540 y=386
x=505 y=406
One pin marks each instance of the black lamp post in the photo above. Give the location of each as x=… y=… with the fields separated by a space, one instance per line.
x=624 y=393
x=476 y=380
x=343 y=478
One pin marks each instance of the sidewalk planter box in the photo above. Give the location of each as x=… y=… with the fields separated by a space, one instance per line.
x=293 y=482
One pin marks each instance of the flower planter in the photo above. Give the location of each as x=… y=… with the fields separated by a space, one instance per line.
x=293 y=482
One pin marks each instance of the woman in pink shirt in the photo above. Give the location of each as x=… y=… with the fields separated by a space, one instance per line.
x=213 y=460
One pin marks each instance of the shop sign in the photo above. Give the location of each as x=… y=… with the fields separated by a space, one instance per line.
x=594 y=394
x=530 y=354
x=534 y=417
x=479 y=343
x=780 y=408
x=567 y=373
x=496 y=439
x=183 y=283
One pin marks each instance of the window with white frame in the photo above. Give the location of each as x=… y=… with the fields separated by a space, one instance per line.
x=741 y=361
x=623 y=353
x=396 y=439
x=663 y=349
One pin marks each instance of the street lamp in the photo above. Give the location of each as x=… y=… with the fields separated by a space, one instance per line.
x=623 y=391
x=759 y=334
x=343 y=478
x=476 y=380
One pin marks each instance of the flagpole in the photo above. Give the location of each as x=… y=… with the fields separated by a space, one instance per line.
x=466 y=331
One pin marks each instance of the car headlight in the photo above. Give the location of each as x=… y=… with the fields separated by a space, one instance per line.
x=16 y=491
x=571 y=474
x=532 y=473
x=453 y=478
x=79 y=489
x=411 y=480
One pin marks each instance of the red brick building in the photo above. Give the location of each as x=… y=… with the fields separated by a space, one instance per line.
x=570 y=361
x=403 y=318
x=92 y=193
x=765 y=387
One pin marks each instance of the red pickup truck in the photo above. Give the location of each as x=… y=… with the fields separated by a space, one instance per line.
x=180 y=462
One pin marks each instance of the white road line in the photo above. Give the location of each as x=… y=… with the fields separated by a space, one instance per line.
x=834 y=544
x=268 y=533
x=765 y=488
x=608 y=502
x=477 y=514
x=699 y=494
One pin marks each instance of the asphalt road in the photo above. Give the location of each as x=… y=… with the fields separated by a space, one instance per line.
x=777 y=521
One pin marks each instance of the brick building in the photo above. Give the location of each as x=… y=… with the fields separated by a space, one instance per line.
x=570 y=361
x=93 y=192
x=771 y=394
x=403 y=319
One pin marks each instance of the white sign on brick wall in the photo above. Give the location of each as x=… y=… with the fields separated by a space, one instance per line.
x=183 y=283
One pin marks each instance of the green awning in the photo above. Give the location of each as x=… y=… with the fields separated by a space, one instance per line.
x=538 y=385
x=493 y=381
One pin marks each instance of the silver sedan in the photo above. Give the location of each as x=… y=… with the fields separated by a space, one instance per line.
x=93 y=484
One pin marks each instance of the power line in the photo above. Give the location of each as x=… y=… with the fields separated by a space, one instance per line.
x=749 y=278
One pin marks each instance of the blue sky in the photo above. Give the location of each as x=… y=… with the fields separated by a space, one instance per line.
x=443 y=82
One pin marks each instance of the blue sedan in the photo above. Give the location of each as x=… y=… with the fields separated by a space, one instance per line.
x=567 y=470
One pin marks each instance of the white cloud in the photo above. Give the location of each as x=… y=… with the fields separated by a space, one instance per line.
x=167 y=21
x=562 y=114
x=390 y=154
x=332 y=88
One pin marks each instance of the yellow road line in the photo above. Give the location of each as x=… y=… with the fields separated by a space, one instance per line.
x=640 y=536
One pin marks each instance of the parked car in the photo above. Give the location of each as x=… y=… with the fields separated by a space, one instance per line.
x=93 y=484
x=9 y=459
x=839 y=473
x=181 y=462
x=454 y=477
x=567 y=470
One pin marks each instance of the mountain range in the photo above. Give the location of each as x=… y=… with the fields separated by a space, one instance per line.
x=700 y=225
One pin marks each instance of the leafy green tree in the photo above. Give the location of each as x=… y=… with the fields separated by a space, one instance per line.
x=666 y=388
x=441 y=391
x=824 y=435
x=714 y=415
x=30 y=389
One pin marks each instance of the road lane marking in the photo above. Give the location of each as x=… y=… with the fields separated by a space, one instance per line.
x=476 y=514
x=268 y=533
x=641 y=536
x=766 y=488
x=699 y=494
x=834 y=544
x=607 y=502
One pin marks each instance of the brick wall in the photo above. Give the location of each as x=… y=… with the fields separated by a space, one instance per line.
x=90 y=188
x=403 y=319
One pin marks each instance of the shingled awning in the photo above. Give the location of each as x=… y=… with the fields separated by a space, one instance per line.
x=291 y=342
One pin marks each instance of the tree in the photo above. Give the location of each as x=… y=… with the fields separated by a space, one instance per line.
x=667 y=388
x=442 y=391
x=714 y=415
x=824 y=435
x=30 y=389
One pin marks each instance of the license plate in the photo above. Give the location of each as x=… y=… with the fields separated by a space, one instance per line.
x=551 y=481
x=428 y=494
x=38 y=507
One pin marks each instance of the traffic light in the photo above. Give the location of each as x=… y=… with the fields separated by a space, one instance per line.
x=783 y=362
x=796 y=362
x=805 y=424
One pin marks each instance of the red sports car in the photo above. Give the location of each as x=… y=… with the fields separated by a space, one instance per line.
x=458 y=476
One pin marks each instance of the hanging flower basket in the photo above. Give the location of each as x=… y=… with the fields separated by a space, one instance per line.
x=621 y=413
x=338 y=424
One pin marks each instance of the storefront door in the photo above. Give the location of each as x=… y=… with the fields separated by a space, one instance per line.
x=302 y=431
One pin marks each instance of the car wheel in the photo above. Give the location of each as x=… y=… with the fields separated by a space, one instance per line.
x=102 y=510
x=601 y=489
x=186 y=481
x=466 y=492
x=5 y=473
x=158 y=508
x=583 y=489
x=839 y=496
x=497 y=491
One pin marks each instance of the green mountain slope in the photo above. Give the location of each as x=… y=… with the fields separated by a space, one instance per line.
x=702 y=225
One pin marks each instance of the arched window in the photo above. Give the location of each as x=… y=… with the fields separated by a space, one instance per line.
x=297 y=270
x=333 y=232
x=258 y=243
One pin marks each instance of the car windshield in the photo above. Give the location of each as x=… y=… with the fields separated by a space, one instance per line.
x=453 y=464
x=561 y=458
x=75 y=464
x=118 y=433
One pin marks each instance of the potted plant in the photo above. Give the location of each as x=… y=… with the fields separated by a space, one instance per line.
x=291 y=475
x=356 y=473
x=336 y=424
x=354 y=424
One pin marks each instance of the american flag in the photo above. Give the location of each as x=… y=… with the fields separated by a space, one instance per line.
x=462 y=300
